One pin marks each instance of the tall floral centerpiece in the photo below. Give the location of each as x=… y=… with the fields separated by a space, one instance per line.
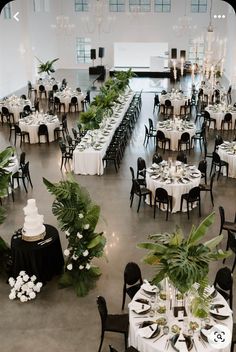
x=77 y=216
x=185 y=261
x=46 y=67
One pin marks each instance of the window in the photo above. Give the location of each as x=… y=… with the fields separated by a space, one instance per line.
x=41 y=5
x=196 y=52
x=83 y=47
x=162 y=5
x=199 y=5
x=117 y=5
x=7 y=12
x=81 y=5
x=140 y=5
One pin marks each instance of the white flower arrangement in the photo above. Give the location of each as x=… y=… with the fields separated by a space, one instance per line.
x=24 y=287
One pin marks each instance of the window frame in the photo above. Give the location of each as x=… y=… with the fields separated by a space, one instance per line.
x=7 y=12
x=198 y=5
x=85 y=43
x=165 y=6
x=117 y=5
x=81 y=5
x=140 y=4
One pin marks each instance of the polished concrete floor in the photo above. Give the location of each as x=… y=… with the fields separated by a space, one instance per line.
x=58 y=320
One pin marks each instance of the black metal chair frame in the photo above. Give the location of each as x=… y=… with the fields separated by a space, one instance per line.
x=132 y=281
x=162 y=197
x=190 y=198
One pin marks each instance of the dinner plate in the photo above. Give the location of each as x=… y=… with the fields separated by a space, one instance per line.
x=155 y=177
x=188 y=342
x=140 y=308
x=195 y=175
x=150 y=289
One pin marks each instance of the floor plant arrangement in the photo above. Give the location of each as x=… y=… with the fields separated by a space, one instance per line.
x=77 y=215
x=185 y=261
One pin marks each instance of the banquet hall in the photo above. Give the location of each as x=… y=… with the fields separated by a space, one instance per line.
x=180 y=50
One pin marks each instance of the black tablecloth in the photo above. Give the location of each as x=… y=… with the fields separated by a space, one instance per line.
x=42 y=260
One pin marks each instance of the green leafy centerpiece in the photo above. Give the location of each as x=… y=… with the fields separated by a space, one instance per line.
x=185 y=261
x=46 y=67
x=77 y=216
x=102 y=105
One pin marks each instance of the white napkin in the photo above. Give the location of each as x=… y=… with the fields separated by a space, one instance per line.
x=146 y=286
x=148 y=331
x=138 y=307
x=181 y=344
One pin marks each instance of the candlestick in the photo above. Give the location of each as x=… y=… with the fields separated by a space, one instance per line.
x=182 y=66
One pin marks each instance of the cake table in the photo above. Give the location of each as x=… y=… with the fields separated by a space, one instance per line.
x=43 y=258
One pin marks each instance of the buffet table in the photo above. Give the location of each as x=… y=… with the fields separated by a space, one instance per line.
x=177 y=100
x=89 y=153
x=31 y=124
x=66 y=95
x=218 y=112
x=42 y=258
x=176 y=179
x=15 y=105
x=173 y=129
x=164 y=331
x=227 y=152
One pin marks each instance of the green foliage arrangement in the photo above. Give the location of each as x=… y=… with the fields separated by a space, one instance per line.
x=46 y=66
x=184 y=261
x=102 y=105
x=77 y=216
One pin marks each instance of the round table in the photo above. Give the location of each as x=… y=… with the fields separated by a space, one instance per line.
x=150 y=345
x=227 y=152
x=48 y=84
x=218 y=112
x=174 y=129
x=175 y=181
x=15 y=105
x=66 y=95
x=42 y=258
x=31 y=124
x=177 y=100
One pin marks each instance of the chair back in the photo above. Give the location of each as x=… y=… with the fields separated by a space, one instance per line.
x=157 y=158
x=156 y=99
x=62 y=146
x=222 y=215
x=27 y=109
x=194 y=194
x=167 y=102
x=182 y=157
x=55 y=88
x=30 y=85
x=63 y=118
x=218 y=141
x=150 y=122
x=163 y=92
x=141 y=164
x=75 y=133
x=25 y=169
x=69 y=140
x=102 y=308
x=224 y=279
x=229 y=90
x=216 y=158
x=136 y=187
x=228 y=117
x=5 y=111
x=57 y=100
x=22 y=158
x=132 y=274
x=207 y=115
x=112 y=349
x=146 y=129
x=161 y=195
x=78 y=89
x=185 y=137
x=132 y=172
x=23 y=96
x=160 y=135
x=17 y=129
x=202 y=166
x=232 y=241
x=74 y=100
x=41 y=88
x=212 y=180
x=43 y=129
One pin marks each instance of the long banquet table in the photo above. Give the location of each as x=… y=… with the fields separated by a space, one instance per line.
x=87 y=159
x=175 y=179
x=160 y=343
x=31 y=124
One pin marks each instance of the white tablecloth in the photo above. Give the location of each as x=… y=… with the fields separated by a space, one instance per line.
x=218 y=113
x=15 y=105
x=89 y=161
x=66 y=95
x=177 y=100
x=228 y=156
x=175 y=188
x=13 y=166
x=48 y=84
x=147 y=345
x=31 y=124
x=174 y=131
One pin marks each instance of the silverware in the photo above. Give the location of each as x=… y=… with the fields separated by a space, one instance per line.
x=45 y=241
x=142 y=316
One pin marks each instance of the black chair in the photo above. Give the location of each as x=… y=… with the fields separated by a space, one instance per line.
x=129 y=349
x=11 y=129
x=151 y=127
x=36 y=105
x=162 y=197
x=190 y=198
x=161 y=138
x=31 y=90
x=231 y=244
x=224 y=224
x=148 y=135
x=74 y=103
x=43 y=131
x=23 y=96
x=71 y=142
x=224 y=284
x=55 y=88
x=184 y=140
x=22 y=174
x=9 y=116
x=141 y=192
x=217 y=162
x=27 y=109
x=86 y=100
x=76 y=134
x=169 y=109
x=58 y=105
x=157 y=158
x=200 y=136
x=156 y=102
x=42 y=91
x=208 y=119
x=132 y=281
x=206 y=188
x=62 y=129
x=141 y=181
x=22 y=160
x=218 y=141
x=182 y=157
x=66 y=153
x=118 y=323
x=202 y=167
x=141 y=168
x=21 y=134
x=227 y=120
x=229 y=97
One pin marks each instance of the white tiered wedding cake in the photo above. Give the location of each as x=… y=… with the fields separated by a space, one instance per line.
x=33 y=229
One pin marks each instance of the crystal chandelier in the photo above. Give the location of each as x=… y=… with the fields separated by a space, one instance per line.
x=184 y=24
x=63 y=25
